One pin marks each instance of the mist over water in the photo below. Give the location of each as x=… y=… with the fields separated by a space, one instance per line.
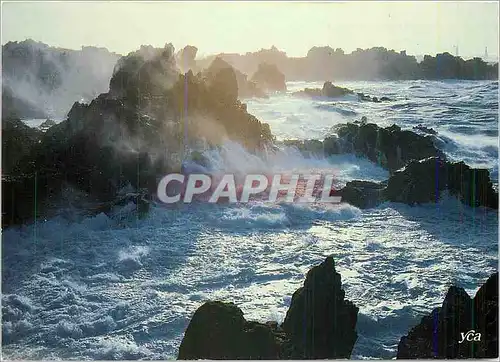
x=118 y=287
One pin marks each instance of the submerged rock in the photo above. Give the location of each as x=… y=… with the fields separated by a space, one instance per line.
x=461 y=328
x=319 y=324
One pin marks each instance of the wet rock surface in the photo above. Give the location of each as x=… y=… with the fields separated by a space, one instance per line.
x=424 y=181
x=390 y=147
x=463 y=327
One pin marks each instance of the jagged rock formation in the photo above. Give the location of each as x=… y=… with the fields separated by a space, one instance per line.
x=390 y=147
x=420 y=172
x=39 y=81
x=131 y=135
x=244 y=88
x=461 y=328
x=269 y=77
x=423 y=181
x=319 y=324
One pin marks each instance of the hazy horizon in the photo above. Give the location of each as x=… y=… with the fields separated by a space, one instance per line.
x=418 y=28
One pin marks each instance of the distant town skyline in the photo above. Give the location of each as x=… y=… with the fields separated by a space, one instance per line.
x=239 y=27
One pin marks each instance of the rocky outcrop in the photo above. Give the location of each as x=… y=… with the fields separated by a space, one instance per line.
x=332 y=91
x=269 y=77
x=461 y=328
x=329 y=90
x=132 y=134
x=245 y=87
x=219 y=331
x=424 y=181
x=18 y=140
x=391 y=147
x=420 y=172
x=319 y=324
x=363 y=194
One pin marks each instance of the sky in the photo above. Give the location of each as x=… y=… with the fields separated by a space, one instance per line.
x=238 y=27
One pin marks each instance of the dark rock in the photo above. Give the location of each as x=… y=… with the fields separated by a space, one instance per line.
x=329 y=90
x=391 y=147
x=269 y=77
x=332 y=91
x=309 y=148
x=424 y=129
x=218 y=330
x=424 y=181
x=144 y=76
x=245 y=88
x=363 y=97
x=362 y=194
x=18 y=139
x=321 y=322
x=440 y=333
